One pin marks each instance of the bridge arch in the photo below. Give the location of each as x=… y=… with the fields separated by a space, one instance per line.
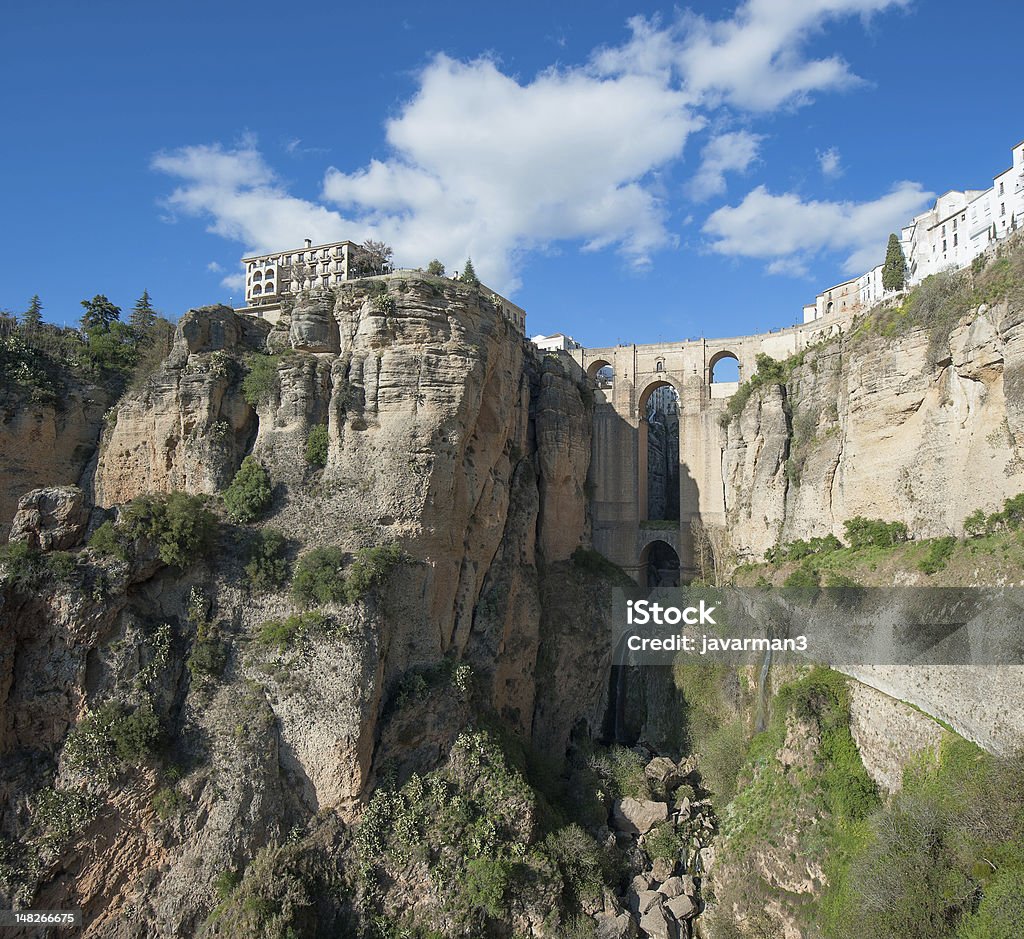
x=659 y=565
x=658 y=451
x=601 y=372
x=723 y=357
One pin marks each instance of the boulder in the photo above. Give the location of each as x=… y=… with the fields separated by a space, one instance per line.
x=663 y=868
x=655 y=924
x=663 y=774
x=615 y=926
x=673 y=887
x=681 y=907
x=636 y=816
x=50 y=519
x=707 y=860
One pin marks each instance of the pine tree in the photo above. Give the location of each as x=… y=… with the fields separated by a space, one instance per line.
x=468 y=275
x=894 y=271
x=143 y=315
x=33 y=316
x=99 y=314
x=436 y=268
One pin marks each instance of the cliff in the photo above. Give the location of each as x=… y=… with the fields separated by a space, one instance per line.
x=447 y=437
x=921 y=427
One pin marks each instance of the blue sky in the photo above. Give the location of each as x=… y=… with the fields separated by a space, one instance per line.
x=625 y=172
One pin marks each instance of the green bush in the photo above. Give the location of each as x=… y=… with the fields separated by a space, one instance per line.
x=769 y=371
x=27 y=570
x=112 y=736
x=436 y=268
x=292 y=629
x=666 y=843
x=106 y=540
x=317 y=446
x=209 y=655
x=485 y=884
x=180 y=525
x=369 y=568
x=874 y=533
x=800 y=549
x=940 y=550
x=267 y=568
x=319 y=577
x=250 y=492
x=262 y=381
x=804 y=577
x=623 y=771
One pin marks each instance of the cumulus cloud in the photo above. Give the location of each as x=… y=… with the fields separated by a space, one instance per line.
x=830 y=163
x=787 y=230
x=753 y=60
x=214 y=268
x=723 y=153
x=487 y=165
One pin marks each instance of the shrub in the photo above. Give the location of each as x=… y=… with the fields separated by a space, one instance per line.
x=369 y=568
x=769 y=371
x=209 y=656
x=976 y=523
x=316 y=446
x=180 y=525
x=800 y=549
x=940 y=550
x=486 y=881
x=665 y=843
x=319 y=577
x=285 y=632
x=111 y=736
x=249 y=493
x=623 y=770
x=105 y=540
x=803 y=577
x=262 y=381
x=874 y=533
x=27 y=570
x=267 y=568
x=436 y=268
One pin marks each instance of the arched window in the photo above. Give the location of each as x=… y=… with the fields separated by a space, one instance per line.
x=724 y=367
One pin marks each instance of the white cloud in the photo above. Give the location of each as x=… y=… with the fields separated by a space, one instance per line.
x=753 y=60
x=234 y=281
x=725 y=152
x=214 y=268
x=830 y=163
x=485 y=165
x=788 y=230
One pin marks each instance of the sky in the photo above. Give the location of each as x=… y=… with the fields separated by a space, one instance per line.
x=626 y=172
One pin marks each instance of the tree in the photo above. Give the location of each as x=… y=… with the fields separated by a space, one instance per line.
x=373 y=257
x=143 y=315
x=100 y=314
x=894 y=271
x=468 y=275
x=33 y=316
x=436 y=268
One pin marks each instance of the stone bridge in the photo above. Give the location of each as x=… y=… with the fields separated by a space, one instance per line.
x=624 y=377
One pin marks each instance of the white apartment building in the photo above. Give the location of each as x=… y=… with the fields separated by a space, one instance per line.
x=272 y=278
x=948 y=236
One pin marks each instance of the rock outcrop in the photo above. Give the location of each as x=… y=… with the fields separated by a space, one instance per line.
x=908 y=428
x=50 y=519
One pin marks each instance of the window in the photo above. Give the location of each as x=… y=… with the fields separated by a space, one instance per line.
x=1000 y=188
x=1002 y=208
x=302 y=256
x=943 y=245
x=955 y=237
x=324 y=281
x=954 y=224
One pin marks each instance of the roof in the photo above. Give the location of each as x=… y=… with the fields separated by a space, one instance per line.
x=327 y=244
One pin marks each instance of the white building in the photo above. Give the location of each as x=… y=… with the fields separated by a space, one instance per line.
x=555 y=343
x=948 y=236
x=272 y=278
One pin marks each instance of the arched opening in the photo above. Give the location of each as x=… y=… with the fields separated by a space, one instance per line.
x=724 y=367
x=659 y=566
x=828 y=309
x=268 y=288
x=257 y=289
x=659 y=422
x=258 y=275
x=601 y=373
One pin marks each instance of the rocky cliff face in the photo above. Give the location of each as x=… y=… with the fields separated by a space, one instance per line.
x=905 y=428
x=45 y=444
x=448 y=437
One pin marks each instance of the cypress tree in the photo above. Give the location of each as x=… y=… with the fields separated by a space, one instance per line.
x=894 y=271
x=143 y=315
x=468 y=275
x=33 y=316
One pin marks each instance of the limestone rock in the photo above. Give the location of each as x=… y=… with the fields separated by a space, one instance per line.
x=663 y=774
x=313 y=326
x=48 y=519
x=663 y=868
x=654 y=923
x=615 y=926
x=681 y=907
x=636 y=816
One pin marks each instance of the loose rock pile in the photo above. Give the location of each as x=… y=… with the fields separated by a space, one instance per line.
x=664 y=898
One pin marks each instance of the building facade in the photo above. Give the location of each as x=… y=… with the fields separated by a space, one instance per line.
x=960 y=225
x=555 y=343
x=277 y=276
